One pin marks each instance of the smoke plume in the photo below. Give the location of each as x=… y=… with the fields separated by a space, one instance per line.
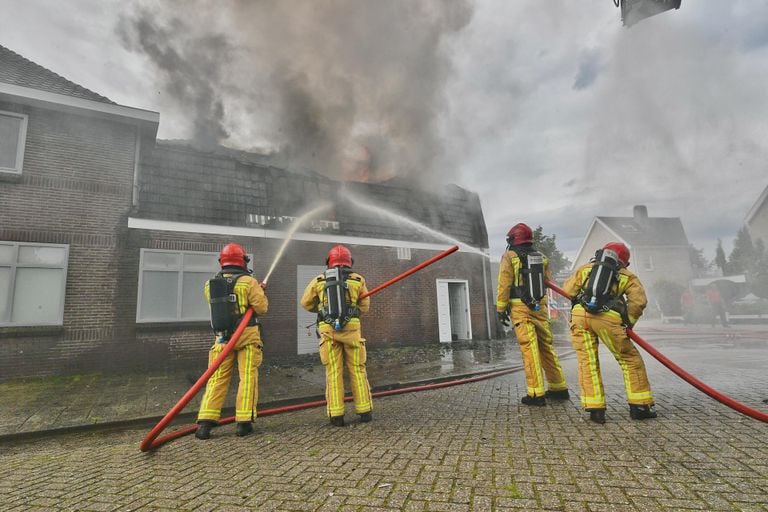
x=347 y=88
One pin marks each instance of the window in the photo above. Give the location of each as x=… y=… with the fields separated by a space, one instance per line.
x=403 y=253
x=32 y=283
x=171 y=285
x=648 y=263
x=13 y=135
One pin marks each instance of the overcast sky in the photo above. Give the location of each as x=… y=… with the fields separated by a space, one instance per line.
x=552 y=111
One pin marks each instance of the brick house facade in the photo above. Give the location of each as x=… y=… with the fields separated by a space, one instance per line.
x=97 y=217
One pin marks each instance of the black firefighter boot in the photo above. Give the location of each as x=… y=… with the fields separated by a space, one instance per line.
x=337 y=421
x=204 y=429
x=597 y=416
x=243 y=428
x=641 y=412
x=534 y=400
x=365 y=417
x=558 y=395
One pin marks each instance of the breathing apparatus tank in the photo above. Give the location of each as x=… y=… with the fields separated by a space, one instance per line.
x=533 y=276
x=597 y=295
x=225 y=313
x=336 y=312
x=530 y=287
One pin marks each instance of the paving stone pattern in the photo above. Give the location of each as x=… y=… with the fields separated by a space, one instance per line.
x=464 y=448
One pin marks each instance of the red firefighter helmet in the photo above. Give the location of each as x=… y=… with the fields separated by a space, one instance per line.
x=520 y=234
x=339 y=256
x=621 y=250
x=233 y=255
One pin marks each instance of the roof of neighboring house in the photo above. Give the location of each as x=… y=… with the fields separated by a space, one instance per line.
x=16 y=70
x=756 y=207
x=182 y=184
x=647 y=231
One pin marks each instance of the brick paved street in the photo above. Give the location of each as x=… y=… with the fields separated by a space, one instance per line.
x=470 y=447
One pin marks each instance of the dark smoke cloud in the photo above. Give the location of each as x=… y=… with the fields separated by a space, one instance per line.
x=347 y=88
x=190 y=68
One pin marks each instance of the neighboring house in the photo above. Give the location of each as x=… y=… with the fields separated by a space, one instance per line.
x=107 y=236
x=68 y=157
x=658 y=245
x=757 y=218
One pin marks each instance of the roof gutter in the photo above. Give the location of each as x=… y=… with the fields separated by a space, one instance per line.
x=146 y=119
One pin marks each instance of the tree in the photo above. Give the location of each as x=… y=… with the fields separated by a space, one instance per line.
x=699 y=263
x=720 y=260
x=668 y=294
x=547 y=245
x=759 y=282
x=743 y=257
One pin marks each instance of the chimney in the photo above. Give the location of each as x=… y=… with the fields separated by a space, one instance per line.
x=640 y=213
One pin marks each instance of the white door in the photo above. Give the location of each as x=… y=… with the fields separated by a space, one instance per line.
x=443 y=312
x=457 y=295
x=453 y=310
x=306 y=339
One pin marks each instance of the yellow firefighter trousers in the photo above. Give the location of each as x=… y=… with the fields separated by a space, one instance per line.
x=249 y=357
x=585 y=331
x=338 y=348
x=534 y=336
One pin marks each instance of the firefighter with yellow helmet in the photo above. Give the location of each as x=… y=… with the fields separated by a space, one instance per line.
x=334 y=296
x=230 y=293
x=607 y=299
x=522 y=302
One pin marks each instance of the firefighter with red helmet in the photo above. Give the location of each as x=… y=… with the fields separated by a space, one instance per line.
x=521 y=293
x=335 y=297
x=608 y=299
x=229 y=294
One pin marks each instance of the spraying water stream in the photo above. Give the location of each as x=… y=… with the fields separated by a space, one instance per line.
x=417 y=225
x=298 y=222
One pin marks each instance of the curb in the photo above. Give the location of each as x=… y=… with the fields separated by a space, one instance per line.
x=189 y=417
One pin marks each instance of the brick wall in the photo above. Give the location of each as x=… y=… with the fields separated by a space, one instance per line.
x=75 y=189
x=403 y=313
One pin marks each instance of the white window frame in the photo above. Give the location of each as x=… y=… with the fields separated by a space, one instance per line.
x=648 y=263
x=6 y=322
x=180 y=286
x=21 y=144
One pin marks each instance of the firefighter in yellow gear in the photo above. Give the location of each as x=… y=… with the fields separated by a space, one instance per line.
x=521 y=292
x=606 y=318
x=334 y=295
x=244 y=292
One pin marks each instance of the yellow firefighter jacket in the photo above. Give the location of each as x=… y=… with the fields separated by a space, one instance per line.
x=629 y=286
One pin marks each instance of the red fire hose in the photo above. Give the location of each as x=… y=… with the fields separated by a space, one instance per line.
x=152 y=441
x=690 y=379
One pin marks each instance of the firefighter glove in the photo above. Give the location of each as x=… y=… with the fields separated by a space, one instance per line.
x=504 y=318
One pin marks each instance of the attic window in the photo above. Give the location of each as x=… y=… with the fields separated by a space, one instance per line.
x=13 y=136
x=282 y=221
x=404 y=253
x=648 y=263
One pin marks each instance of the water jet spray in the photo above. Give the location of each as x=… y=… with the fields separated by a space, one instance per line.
x=298 y=222
x=417 y=225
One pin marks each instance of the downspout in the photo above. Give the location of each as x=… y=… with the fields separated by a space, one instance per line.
x=136 y=156
x=486 y=256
